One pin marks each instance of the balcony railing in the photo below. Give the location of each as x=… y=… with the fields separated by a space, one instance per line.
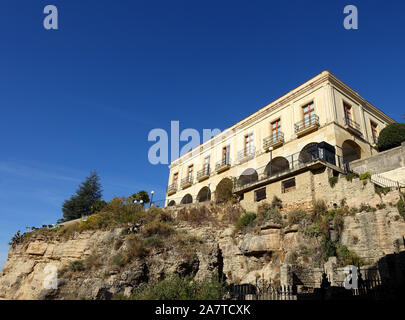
x=352 y=124
x=223 y=165
x=203 y=174
x=186 y=182
x=307 y=125
x=246 y=154
x=290 y=163
x=273 y=141
x=172 y=188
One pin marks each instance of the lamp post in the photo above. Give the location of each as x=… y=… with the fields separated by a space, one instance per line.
x=151 y=198
x=271 y=160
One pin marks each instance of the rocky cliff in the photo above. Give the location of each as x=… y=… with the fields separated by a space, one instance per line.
x=205 y=242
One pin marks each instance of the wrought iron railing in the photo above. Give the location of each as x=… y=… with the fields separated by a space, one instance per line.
x=313 y=120
x=172 y=187
x=273 y=139
x=352 y=124
x=203 y=172
x=223 y=163
x=186 y=181
x=246 y=154
x=292 y=162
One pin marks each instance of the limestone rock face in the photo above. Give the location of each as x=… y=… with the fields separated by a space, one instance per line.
x=374 y=234
x=268 y=240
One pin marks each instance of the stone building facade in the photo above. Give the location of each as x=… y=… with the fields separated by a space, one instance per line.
x=283 y=148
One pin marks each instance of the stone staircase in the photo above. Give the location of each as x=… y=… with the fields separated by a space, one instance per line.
x=382 y=181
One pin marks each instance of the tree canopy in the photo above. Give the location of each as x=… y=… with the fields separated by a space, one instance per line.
x=391 y=136
x=87 y=199
x=141 y=195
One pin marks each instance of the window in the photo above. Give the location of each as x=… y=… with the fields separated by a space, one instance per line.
x=248 y=148
x=225 y=155
x=175 y=178
x=288 y=185
x=348 y=112
x=275 y=130
x=309 y=114
x=206 y=165
x=374 y=131
x=260 y=194
x=190 y=173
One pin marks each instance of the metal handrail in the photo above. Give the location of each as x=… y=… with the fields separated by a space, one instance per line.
x=279 y=136
x=352 y=124
x=203 y=172
x=295 y=161
x=172 y=187
x=223 y=163
x=186 y=180
x=306 y=123
x=246 y=152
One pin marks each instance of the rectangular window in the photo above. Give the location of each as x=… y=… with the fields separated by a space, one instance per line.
x=248 y=148
x=206 y=166
x=190 y=173
x=308 y=114
x=275 y=130
x=225 y=155
x=260 y=194
x=175 y=178
x=374 y=131
x=288 y=185
x=348 y=112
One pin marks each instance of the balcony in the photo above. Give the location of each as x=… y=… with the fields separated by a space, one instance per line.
x=223 y=165
x=203 y=174
x=306 y=126
x=172 y=189
x=273 y=141
x=352 y=126
x=246 y=154
x=186 y=182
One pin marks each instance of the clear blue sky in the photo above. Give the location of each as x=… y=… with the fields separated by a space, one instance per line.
x=86 y=96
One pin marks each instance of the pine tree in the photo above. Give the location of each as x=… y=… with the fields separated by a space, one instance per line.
x=87 y=196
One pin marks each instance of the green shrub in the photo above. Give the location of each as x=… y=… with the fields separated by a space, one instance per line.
x=153 y=241
x=295 y=216
x=401 y=208
x=246 y=220
x=328 y=248
x=350 y=176
x=391 y=136
x=177 y=288
x=347 y=257
x=77 y=266
x=292 y=257
x=319 y=208
x=333 y=181
x=365 y=176
x=267 y=212
x=120 y=259
x=382 y=190
x=223 y=192
x=277 y=203
x=157 y=227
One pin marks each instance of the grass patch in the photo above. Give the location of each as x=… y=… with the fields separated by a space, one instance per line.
x=333 y=181
x=246 y=220
x=177 y=288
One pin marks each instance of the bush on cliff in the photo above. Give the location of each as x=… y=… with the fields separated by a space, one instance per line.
x=246 y=220
x=391 y=136
x=177 y=288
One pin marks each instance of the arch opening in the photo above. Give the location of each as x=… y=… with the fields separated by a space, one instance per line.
x=248 y=176
x=187 y=199
x=204 y=195
x=276 y=166
x=351 y=151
